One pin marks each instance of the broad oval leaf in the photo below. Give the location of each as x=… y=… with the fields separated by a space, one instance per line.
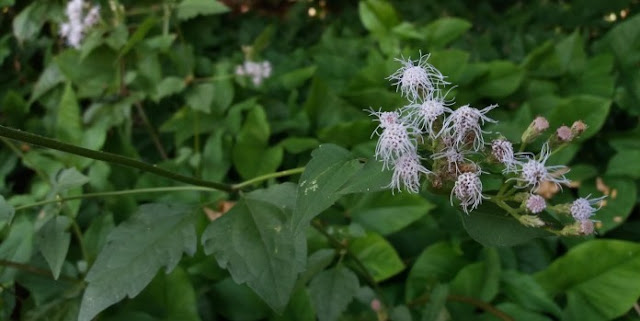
x=377 y=255
x=154 y=237
x=331 y=292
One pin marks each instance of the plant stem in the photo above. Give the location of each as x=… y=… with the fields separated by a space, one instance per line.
x=468 y=300
x=151 y=130
x=118 y=193
x=265 y=177
x=20 y=154
x=32 y=269
x=108 y=157
x=345 y=249
x=78 y=234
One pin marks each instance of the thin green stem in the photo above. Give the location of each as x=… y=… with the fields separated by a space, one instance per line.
x=108 y=157
x=258 y=179
x=118 y=193
x=20 y=154
x=78 y=234
x=151 y=131
x=468 y=300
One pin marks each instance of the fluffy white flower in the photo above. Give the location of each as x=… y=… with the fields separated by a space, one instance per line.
x=536 y=204
x=417 y=80
x=425 y=114
x=582 y=208
x=502 y=150
x=533 y=172
x=406 y=172
x=465 y=124
x=468 y=189
x=77 y=23
x=257 y=71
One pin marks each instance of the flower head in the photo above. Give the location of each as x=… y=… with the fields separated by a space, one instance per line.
x=468 y=189
x=453 y=156
x=502 y=150
x=426 y=113
x=536 y=204
x=396 y=137
x=406 y=171
x=582 y=209
x=586 y=227
x=564 y=134
x=465 y=124
x=77 y=23
x=417 y=79
x=257 y=71
x=533 y=172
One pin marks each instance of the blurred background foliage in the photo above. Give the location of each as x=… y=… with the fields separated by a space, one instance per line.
x=156 y=81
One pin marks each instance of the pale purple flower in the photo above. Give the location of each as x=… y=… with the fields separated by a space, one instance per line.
x=417 y=80
x=406 y=172
x=502 y=150
x=540 y=124
x=468 y=189
x=465 y=123
x=257 y=71
x=533 y=172
x=586 y=227
x=564 y=134
x=536 y=204
x=426 y=113
x=582 y=208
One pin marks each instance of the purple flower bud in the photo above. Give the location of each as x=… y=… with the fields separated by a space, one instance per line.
x=582 y=209
x=468 y=189
x=564 y=134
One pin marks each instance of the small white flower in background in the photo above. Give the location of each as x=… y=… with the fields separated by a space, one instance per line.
x=466 y=121
x=533 y=172
x=406 y=172
x=468 y=189
x=536 y=204
x=75 y=28
x=502 y=150
x=257 y=71
x=582 y=208
x=426 y=113
x=417 y=80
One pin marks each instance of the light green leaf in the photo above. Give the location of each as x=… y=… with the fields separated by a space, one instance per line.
x=524 y=290
x=386 y=213
x=69 y=121
x=67 y=179
x=53 y=242
x=331 y=291
x=188 y=9
x=377 y=15
x=443 y=31
x=596 y=289
x=503 y=79
x=139 y=34
x=49 y=78
x=257 y=244
x=625 y=164
x=377 y=255
x=167 y=87
x=200 y=97
x=251 y=155
x=95 y=237
x=296 y=78
x=297 y=145
x=438 y=263
x=370 y=178
x=29 y=21
x=6 y=212
x=155 y=236
x=16 y=247
x=436 y=304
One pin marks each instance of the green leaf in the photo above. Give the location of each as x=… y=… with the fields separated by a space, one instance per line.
x=377 y=15
x=95 y=237
x=188 y=9
x=622 y=40
x=331 y=291
x=92 y=75
x=571 y=54
x=6 y=212
x=53 y=242
x=386 y=213
x=251 y=155
x=625 y=164
x=492 y=226
x=16 y=247
x=297 y=145
x=327 y=172
x=139 y=34
x=450 y=62
x=200 y=97
x=316 y=262
x=298 y=309
x=155 y=236
x=596 y=289
x=237 y=302
x=29 y=21
x=475 y=281
x=216 y=157
x=67 y=179
x=503 y=79
x=621 y=198
x=257 y=244
x=592 y=110
x=296 y=78
x=167 y=87
x=524 y=290
x=438 y=263
x=377 y=255
x=49 y=78
x=436 y=304
x=69 y=123
x=443 y=31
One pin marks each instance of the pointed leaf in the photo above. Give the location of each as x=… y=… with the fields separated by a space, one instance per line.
x=69 y=124
x=188 y=9
x=377 y=255
x=6 y=212
x=331 y=292
x=438 y=263
x=386 y=213
x=154 y=237
x=53 y=241
x=16 y=247
x=256 y=243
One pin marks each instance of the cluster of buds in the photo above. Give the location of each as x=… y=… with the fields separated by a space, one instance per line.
x=429 y=140
x=74 y=30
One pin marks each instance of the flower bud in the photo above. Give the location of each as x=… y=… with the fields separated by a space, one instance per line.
x=536 y=204
x=537 y=126
x=531 y=221
x=564 y=134
x=586 y=227
x=578 y=128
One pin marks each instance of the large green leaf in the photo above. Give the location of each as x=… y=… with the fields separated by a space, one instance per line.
x=492 y=226
x=438 y=263
x=386 y=213
x=596 y=289
x=377 y=255
x=237 y=302
x=331 y=291
x=6 y=212
x=53 y=241
x=524 y=290
x=29 y=21
x=503 y=79
x=255 y=241
x=188 y=9
x=592 y=110
x=625 y=164
x=251 y=154
x=377 y=15
x=153 y=237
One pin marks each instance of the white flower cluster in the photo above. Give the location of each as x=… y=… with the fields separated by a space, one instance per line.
x=257 y=71
x=429 y=131
x=75 y=28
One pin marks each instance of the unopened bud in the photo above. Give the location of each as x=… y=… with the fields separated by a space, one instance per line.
x=586 y=227
x=564 y=134
x=376 y=305
x=531 y=221
x=537 y=126
x=578 y=128
x=536 y=204
x=572 y=230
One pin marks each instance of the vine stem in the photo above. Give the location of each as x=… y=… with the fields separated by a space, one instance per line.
x=107 y=157
x=345 y=249
x=258 y=179
x=468 y=300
